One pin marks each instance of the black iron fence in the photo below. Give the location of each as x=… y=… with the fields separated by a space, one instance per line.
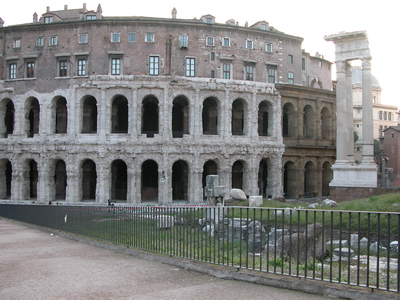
x=352 y=248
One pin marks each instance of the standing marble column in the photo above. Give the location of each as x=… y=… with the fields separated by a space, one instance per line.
x=349 y=114
x=367 y=117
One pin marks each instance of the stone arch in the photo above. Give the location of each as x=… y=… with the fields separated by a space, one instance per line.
x=327 y=176
x=119 y=114
x=288 y=120
x=119 y=180
x=326 y=124
x=60 y=116
x=263 y=173
x=149 y=180
x=150 y=115
x=32 y=109
x=289 y=179
x=33 y=179
x=180 y=117
x=210 y=167
x=238 y=117
x=308 y=122
x=237 y=175
x=310 y=180
x=316 y=83
x=89 y=115
x=180 y=180
x=5 y=178
x=265 y=118
x=60 y=180
x=210 y=116
x=7 y=114
x=89 y=180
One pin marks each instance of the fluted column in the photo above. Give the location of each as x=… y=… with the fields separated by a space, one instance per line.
x=367 y=118
x=349 y=114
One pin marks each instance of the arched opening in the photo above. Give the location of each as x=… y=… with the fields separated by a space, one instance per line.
x=237 y=175
x=33 y=179
x=33 y=116
x=264 y=120
x=210 y=117
x=180 y=117
x=310 y=180
x=327 y=176
x=89 y=180
x=288 y=120
x=263 y=178
x=326 y=124
x=209 y=168
x=180 y=180
x=237 y=124
x=150 y=116
x=5 y=179
x=7 y=115
x=119 y=180
x=119 y=115
x=60 y=180
x=61 y=120
x=289 y=180
x=308 y=122
x=149 y=181
x=89 y=115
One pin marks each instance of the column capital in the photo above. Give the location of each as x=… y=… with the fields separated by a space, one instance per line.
x=366 y=63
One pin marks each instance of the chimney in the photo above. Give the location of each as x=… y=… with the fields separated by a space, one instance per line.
x=174 y=13
x=47 y=8
x=65 y=7
x=35 y=18
x=84 y=7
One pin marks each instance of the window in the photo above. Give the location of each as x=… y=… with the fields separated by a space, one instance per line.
x=380 y=115
x=268 y=47
x=249 y=69
x=212 y=55
x=30 y=69
x=392 y=149
x=226 y=42
x=212 y=74
x=290 y=78
x=83 y=38
x=209 y=20
x=132 y=37
x=263 y=27
x=115 y=66
x=62 y=68
x=249 y=44
x=12 y=71
x=210 y=41
x=183 y=41
x=154 y=65
x=82 y=67
x=271 y=74
x=53 y=41
x=40 y=42
x=226 y=71
x=17 y=43
x=115 y=37
x=48 y=20
x=320 y=63
x=190 y=67
x=91 y=17
x=303 y=63
x=385 y=115
x=290 y=59
x=389 y=116
x=392 y=135
x=149 y=37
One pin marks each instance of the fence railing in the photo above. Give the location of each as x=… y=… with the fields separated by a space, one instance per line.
x=352 y=248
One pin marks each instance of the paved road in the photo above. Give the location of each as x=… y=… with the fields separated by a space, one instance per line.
x=39 y=265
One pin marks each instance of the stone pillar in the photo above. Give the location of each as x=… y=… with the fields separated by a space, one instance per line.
x=367 y=111
x=349 y=114
x=275 y=176
x=133 y=114
x=45 y=181
x=103 y=183
x=103 y=106
x=73 y=193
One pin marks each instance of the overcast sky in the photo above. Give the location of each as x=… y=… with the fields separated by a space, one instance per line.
x=311 y=20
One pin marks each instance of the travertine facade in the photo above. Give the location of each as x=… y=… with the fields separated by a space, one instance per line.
x=135 y=109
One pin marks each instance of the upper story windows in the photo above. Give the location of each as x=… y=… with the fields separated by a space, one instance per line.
x=12 y=70
x=91 y=17
x=271 y=69
x=40 y=41
x=30 y=69
x=249 y=71
x=53 y=41
x=131 y=37
x=83 y=38
x=290 y=59
x=249 y=44
x=290 y=78
x=183 y=41
x=82 y=66
x=190 y=67
x=226 y=42
x=116 y=66
x=149 y=37
x=210 y=41
x=226 y=70
x=17 y=43
x=48 y=20
x=115 y=37
x=62 y=68
x=268 y=47
x=154 y=65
